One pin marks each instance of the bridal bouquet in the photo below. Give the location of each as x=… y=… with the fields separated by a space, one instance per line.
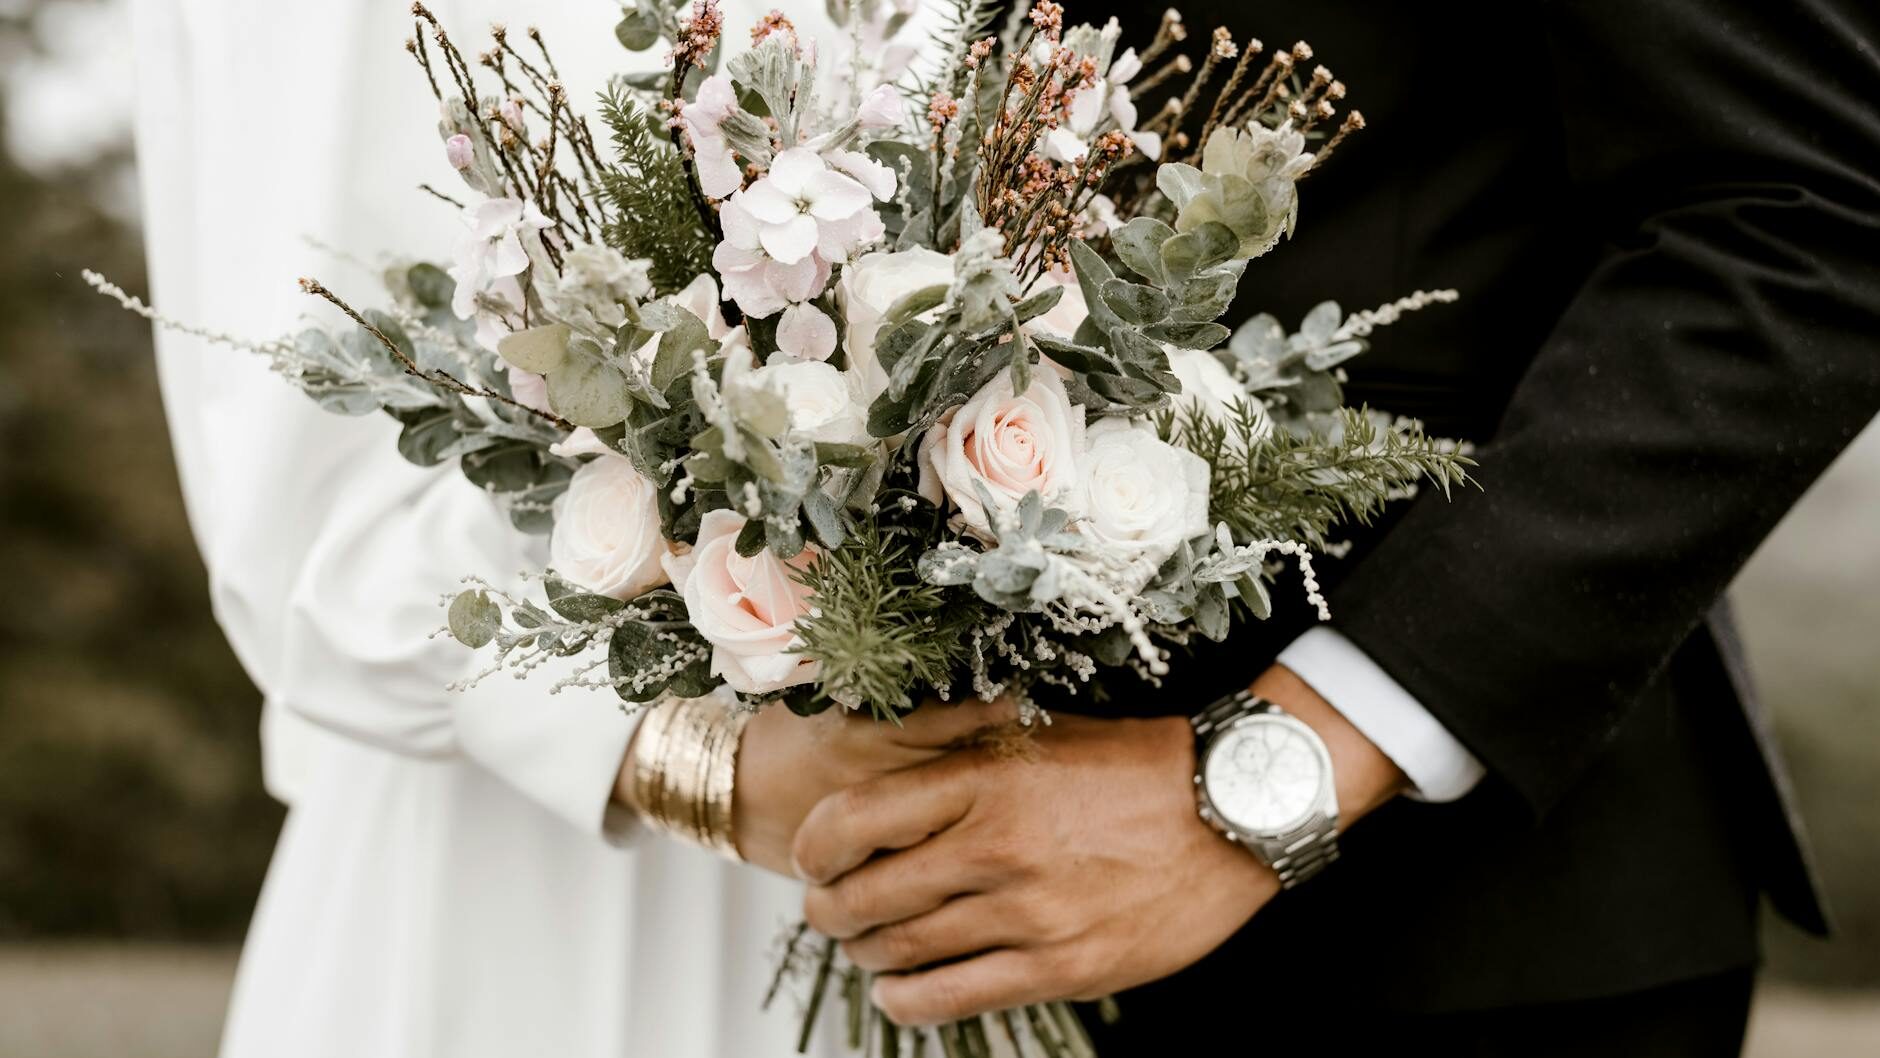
x=862 y=374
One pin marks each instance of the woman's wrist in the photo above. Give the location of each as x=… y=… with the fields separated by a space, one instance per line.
x=681 y=770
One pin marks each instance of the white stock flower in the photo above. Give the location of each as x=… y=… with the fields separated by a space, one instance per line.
x=1108 y=96
x=882 y=108
x=607 y=535
x=806 y=333
x=718 y=172
x=869 y=288
x=1142 y=496
x=497 y=309
x=802 y=207
x=784 y=233
x=493 y=247
x=760 y=284
x=1009 y=444
x=745 y=607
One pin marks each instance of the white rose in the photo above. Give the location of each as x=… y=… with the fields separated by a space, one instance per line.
x=1070 y=311
x=1142 y=495
x=746 y=608
x=1009 y=444
x=607 y=535
x=822 y=402
x=1207 y=385
x=869 y=288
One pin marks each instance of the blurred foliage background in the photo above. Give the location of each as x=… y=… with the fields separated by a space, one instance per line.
x=131 y=805
x=130 y=789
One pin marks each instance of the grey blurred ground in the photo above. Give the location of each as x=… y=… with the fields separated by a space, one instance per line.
x=133 y=828
x=154 y=1001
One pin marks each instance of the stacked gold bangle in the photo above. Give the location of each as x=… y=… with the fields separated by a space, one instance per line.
x=685 y=762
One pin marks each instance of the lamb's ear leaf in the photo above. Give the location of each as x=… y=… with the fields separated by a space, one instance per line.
x=1202 y=248
x=1139 y=244
x=1092 y=273
x=1038 y=304
x=913 y=303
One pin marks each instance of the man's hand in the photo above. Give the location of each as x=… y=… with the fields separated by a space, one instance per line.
x=788 y=763
x=1075 y=873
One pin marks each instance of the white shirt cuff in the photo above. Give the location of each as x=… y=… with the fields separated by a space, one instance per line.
x=1439 y=767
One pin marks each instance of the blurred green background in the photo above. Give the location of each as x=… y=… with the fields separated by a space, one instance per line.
x=134 y=832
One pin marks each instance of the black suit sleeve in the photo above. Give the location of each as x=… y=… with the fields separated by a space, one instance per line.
x=1723 y=350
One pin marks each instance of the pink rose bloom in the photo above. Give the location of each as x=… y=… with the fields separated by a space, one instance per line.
x=746 y=608
x=1009 y=444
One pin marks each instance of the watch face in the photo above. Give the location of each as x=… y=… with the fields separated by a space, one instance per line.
x=1263 y=775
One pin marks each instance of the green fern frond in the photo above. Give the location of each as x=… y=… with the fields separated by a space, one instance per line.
x=648 y=197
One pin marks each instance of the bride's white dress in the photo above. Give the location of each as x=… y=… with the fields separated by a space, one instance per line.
x=449 y=881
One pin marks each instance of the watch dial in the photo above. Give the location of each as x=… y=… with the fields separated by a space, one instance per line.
x=1263 y=775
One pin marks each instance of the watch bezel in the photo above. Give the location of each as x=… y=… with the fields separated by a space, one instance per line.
x=1313 y=816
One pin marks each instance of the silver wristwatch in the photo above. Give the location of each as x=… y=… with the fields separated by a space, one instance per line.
x=1264 y=779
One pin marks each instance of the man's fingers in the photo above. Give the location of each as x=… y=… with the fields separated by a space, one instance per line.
x=964 y=925
x=1007 y=977
x=939 y=724
x=894 y=811
x=902 y=886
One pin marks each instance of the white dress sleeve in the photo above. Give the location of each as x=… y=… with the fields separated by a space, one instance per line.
x=327 y=552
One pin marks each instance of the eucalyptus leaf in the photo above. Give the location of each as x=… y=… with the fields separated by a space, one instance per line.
x=637 y=30
x=576 y=604
x=750 y=538
x=431 y=285
x=474 y=618
x=588 y=391
x=1179 y=182
x=825 y=519
x=676 y=348
x=427 y=436
x=1190 y=335
x=538 y=349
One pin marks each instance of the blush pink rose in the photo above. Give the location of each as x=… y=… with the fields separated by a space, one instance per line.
x=1010 y=444
x=746 y=608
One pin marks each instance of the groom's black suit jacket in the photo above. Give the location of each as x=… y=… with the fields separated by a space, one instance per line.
x=1664 y=219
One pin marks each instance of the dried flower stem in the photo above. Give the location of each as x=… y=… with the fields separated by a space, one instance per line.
x=440 y=379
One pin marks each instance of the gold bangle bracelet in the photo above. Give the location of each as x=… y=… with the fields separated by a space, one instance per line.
x=685 y=770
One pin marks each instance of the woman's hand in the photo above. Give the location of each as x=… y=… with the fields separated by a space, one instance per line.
x=788 y=763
